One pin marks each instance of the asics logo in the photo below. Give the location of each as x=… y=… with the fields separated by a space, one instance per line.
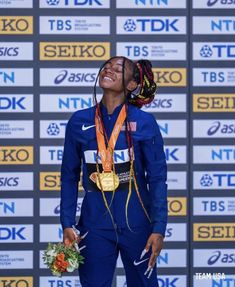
x=84 y=127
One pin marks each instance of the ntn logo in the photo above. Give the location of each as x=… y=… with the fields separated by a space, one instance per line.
x=75 y=102
x=7 y=207
x=152 y=2
x=7 y=77
x=223 y=24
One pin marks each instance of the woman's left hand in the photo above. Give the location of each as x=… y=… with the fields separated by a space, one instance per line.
x=155 y=241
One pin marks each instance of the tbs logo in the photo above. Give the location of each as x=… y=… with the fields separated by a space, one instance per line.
x=137 y=51
x=213 y=205
x=213 y=77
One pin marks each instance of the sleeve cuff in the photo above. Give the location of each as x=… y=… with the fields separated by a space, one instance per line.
x=156 y=228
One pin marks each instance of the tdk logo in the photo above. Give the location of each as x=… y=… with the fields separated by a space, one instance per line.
x=206 y=180
x=168 y=282
x=171 y=154
x=153 y=25
x=222 y=128
x=220 y=179
x=53 y=2
x=12 y=103
x=74 y=2
x=12 y=233
x=206 y=51
x=220 y=51
x=53 y=129
x=227 y=25
x=212 y=3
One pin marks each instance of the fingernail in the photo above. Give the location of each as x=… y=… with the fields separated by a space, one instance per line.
x=84 y=246
x=143 y=253
x=150 y=272
x=84 y=235
x=148 y=269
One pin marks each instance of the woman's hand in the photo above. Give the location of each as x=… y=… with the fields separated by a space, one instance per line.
x=155 y=241
x=69 y=236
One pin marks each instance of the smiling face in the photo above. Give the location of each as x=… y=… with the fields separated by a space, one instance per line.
x=111 y=76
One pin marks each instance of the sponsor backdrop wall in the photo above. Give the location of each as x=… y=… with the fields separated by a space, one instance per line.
x=50 y=51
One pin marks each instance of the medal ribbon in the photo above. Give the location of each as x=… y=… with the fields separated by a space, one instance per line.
x=106 y=154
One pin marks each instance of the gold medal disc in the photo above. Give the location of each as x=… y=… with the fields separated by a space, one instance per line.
x=109 y=181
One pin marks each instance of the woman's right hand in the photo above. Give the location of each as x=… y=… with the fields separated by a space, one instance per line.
x=69 y=236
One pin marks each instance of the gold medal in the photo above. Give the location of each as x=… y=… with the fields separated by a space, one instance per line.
x=109 y=181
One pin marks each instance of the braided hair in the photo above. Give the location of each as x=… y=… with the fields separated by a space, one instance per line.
x=146 y=87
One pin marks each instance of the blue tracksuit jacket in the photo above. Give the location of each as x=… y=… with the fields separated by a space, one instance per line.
x=80 y=149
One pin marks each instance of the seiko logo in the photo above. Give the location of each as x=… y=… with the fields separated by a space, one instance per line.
x=13 y=155
x=16 y=282
x=214 y=232
x=15 y=24
x=73 y=50
x=215 y=102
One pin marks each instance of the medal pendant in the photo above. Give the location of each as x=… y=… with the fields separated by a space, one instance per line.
x=109 y=181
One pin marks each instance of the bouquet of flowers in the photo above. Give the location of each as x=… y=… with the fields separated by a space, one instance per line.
x=61 y=258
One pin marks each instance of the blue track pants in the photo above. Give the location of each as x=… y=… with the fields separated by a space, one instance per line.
x=101 y=253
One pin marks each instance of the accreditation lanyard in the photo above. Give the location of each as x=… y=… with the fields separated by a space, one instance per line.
x=106 y=153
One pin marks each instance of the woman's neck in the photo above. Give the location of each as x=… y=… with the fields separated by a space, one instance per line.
x=111 y=102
